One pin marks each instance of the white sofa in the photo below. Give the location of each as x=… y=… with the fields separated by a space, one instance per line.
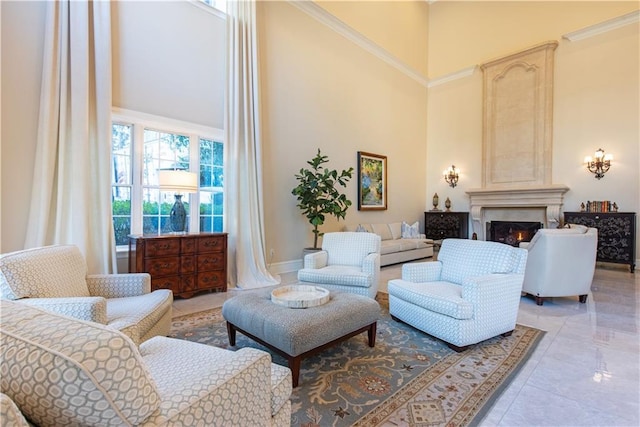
x=61 y=371
x=393 y=248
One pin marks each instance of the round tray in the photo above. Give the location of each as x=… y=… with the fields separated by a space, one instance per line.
x=299 y=296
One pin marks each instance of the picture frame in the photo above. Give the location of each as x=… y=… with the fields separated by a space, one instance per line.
x=372 y=181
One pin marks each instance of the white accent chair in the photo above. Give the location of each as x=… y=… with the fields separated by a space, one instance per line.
x=470 y=294
x=61 y=371
x=561 y=262
x=349 y=262
x=55 y=278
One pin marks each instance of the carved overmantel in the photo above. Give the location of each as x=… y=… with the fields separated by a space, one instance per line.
x=546 y=196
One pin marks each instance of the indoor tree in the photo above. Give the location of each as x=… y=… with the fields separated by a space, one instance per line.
x=317 y=194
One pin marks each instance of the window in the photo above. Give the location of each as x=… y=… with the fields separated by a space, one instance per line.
x=143 y=144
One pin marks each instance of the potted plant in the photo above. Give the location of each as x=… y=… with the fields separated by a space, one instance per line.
x=317 y=194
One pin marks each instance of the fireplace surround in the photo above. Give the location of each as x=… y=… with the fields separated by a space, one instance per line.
x=519 y=204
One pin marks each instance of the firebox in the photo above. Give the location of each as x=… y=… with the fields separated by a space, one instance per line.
x=512 y=232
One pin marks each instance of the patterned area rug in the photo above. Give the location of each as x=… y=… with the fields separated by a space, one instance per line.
x=407 y=379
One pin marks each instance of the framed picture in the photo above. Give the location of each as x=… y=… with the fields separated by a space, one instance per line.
x=372 y=181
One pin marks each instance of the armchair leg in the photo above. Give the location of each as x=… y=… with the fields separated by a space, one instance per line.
x=539 y=300
x=583 y=298
x=507 y=334
x=456 y=348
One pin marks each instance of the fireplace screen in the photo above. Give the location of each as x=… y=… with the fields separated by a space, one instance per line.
x=512 y=232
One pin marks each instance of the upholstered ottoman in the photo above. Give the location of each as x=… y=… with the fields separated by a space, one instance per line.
x=296 y=333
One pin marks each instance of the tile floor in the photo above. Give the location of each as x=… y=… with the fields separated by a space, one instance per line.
x=585 y=371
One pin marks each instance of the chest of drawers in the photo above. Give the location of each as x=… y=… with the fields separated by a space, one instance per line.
x=186 y=264
x=441 y=225
x=616 y=234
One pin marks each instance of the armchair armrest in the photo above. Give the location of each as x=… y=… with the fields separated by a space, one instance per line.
x=316 y=259
x=371 y=265
x=420 y=272
x=491 y=293
x=119 y=285
x=93 y=309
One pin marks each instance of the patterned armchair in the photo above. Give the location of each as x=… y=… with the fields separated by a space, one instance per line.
x=55 y=278
x=61 y=371
x=470 y=294
x=348 y=261
x=561 y=262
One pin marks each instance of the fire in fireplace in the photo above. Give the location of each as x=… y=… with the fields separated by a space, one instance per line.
x=512 y=232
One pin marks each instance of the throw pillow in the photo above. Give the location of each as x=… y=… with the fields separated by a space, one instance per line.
x=361 y=229
x=410 y=231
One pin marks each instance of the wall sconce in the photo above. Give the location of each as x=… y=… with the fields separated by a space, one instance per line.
x=600 y=165
x=451 y=176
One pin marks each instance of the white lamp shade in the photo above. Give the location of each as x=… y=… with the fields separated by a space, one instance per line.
x=178 y=180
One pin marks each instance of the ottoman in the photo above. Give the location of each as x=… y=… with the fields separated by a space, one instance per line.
x=296 y=333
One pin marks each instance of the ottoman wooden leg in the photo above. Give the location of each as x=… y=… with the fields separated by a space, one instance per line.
x=294 y=365
x=231 y=332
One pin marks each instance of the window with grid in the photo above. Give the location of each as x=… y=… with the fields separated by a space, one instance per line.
x=143 y=146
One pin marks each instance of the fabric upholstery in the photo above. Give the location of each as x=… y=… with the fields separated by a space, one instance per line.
x=350 y=260
x=10 y=414
x=55 y=278
x=63 y=371
x=296 y=331
x=471 y=293
x=561 y=262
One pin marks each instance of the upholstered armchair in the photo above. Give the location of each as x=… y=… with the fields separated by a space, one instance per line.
x=349 y=262
x=470 y=294
x=561 y=262
x=55 y=278
x=61 y=371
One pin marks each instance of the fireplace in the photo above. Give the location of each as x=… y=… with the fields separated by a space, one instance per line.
x=512 y=232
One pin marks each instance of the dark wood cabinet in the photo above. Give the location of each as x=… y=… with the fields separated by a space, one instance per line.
x=441 y=225
x=616 y=234
x=186 y=264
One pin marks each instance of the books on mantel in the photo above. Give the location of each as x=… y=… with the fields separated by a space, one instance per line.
x=599 y=206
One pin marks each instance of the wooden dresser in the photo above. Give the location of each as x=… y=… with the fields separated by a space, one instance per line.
x=186 y=263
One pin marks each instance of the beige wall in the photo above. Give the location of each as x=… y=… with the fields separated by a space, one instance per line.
x=466 y=33
x=596 y=102
x=321 y=91
x=400 y=27
x=22 y=44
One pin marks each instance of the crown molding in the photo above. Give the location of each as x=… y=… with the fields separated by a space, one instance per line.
x=603 y=27
x=460 y=74
x=324 y=17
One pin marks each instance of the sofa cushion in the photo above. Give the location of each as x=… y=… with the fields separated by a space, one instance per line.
x=440 y=297
x=383 y=231
x=64 y=371
x=48 y=272
x=396 y=230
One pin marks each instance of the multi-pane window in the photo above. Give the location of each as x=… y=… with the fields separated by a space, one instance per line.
x=139 y=151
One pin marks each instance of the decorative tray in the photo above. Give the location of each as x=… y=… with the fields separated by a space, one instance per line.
x=300 y=296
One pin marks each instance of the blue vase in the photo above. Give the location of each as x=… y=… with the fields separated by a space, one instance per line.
x=178 y=216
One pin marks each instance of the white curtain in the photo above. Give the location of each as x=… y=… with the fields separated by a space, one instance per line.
x=71 y=195
x=243 y=174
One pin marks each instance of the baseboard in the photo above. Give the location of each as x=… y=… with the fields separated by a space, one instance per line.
x=285 y=266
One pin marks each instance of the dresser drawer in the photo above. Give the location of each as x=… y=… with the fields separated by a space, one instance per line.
x=163 y=266
x=162 y=247
x=169 y=282
x=187 y=264
x=211 y=244
x=214 y=261
x=212 y=280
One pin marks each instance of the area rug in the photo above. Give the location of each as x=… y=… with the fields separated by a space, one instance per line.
x=407 y=379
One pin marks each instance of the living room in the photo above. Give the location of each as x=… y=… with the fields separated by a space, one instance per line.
x=413 y=93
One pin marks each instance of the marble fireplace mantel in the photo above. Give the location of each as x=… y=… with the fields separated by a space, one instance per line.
x=545 y=196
